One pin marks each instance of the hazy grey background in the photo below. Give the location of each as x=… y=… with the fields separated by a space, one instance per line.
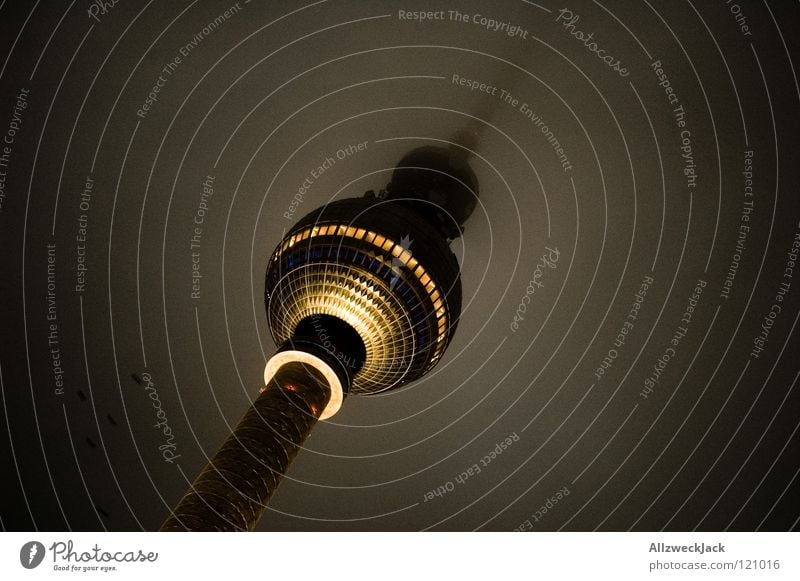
x=261 y=101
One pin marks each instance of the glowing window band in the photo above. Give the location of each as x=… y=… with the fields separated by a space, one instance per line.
x=403 y=255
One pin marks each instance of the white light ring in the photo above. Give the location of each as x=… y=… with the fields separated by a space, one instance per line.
x=280 y=359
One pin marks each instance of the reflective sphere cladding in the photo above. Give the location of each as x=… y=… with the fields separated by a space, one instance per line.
x=380 y=268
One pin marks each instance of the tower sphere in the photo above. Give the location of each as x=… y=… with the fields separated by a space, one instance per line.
x=370 y=281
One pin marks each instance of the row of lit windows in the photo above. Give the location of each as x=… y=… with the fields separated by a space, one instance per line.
x=396 y=250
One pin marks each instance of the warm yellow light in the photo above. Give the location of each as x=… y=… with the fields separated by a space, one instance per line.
x=363 y=301
x=280 y=359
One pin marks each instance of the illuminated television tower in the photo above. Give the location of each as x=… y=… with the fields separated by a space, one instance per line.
x=362 y=295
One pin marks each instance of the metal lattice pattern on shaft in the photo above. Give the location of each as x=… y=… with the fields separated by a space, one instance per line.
x=232 y=491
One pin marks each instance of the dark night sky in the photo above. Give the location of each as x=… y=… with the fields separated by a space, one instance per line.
x=669 y=167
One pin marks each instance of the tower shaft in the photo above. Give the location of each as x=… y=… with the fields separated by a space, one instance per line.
x=232 y=491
